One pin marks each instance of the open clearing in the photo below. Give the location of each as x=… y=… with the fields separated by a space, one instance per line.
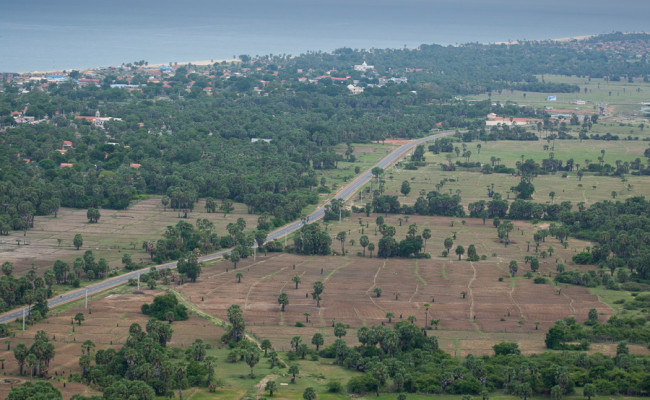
x=117 y=232
x=491 y=311
x=473 y=184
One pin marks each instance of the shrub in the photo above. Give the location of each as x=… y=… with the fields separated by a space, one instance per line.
x=334 y=387
x=539 y=280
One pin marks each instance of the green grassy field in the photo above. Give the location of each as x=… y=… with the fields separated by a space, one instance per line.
x=623 y=97
x=473 y=184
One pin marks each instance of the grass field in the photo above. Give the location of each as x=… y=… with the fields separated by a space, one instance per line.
x=473 y=184
x=117 y=232
x=621 y=97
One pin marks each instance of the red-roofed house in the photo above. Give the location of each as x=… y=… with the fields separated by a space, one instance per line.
x=134 y=165
x=66 y=165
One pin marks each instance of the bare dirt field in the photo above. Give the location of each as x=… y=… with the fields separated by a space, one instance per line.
x=117 y=232
x=107 y=325
x=510 y=306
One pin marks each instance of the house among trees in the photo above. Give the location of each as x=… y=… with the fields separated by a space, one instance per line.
x=363 y=67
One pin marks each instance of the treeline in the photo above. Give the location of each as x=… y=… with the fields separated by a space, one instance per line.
x=406 y=359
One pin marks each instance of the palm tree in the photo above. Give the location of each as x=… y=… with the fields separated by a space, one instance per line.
x=294 y=370
x=318 y=289
x=426 y=313
x=341 y=237
x=296 y=279
x=266 y=345
x=252 y=357
x=239 y=275
x=435 y=322
x=271 y=386
x=426 y=235
x=411 y=319
x=460 y=250
x=390 y=316
x=448 y=243
x=371 y=248
x=364 y=242
x=295 y=342
x=283 y=300
x=306 y=317
x=31 y=362
x=317 y=340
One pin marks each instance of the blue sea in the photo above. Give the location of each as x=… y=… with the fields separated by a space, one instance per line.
x=67 y=34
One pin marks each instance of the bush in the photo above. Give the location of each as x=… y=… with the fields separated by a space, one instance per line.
x=165 y=305
x=362 y=384
x=334 y=387
x=299 y=324
x=539 y=280
x=583 y=258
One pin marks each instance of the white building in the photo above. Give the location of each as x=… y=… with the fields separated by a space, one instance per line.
x=363 y=67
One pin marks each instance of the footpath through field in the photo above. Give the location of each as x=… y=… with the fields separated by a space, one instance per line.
x=344 y=194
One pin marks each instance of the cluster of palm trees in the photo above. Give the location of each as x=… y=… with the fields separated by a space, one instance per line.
x=37 y=358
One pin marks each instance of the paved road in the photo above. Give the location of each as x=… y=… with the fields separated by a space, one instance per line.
x=344 y=194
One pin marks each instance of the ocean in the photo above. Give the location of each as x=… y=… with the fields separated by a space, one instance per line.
x=67 y=34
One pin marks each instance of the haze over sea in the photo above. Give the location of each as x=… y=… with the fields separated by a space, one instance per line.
x=65 y=34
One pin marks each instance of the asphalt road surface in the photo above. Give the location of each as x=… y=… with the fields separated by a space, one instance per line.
x=344 y=194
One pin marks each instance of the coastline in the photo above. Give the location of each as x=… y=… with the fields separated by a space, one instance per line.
x=197 y=63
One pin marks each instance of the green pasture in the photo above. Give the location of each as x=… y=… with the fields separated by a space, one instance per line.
x=473 y=184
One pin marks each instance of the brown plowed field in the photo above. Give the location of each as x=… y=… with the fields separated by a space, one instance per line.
x=511 y=306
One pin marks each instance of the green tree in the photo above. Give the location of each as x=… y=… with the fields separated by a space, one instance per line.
x=512 y=267
x=283 y=300
x=266 y=346
x=309 y=394
x=271 y=386
x=78 y=241
x=406 y=188
x=252 y=357
x=371 y=248
x=364 y=242
x=296 y=279
x=293 y=371
x=226 y=207
x=79 y=317
x=460 y=250
x=93 y=215
x=341 y=237
x=316 y=294
x=589 y=391
x=20 y=353
x=426 y=235
x=339 y=330
x=239 y=275
x=317 y=340
x=449 y=243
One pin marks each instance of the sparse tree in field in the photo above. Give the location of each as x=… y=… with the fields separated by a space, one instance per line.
x=306 y=316
x=274 y=359
x=296 y=279
x=87 y=346
x=448 y=243
x=317 y=340
x=341 y=237
x=435 y=323
x=271 y=386
x=266 y=346
x=295 y=342
x=309 y=394
x=426 y=235
x=93 y=215
x=411 y=319
x=390 y=316
x=512 y=267
x=377 y=291
x=226 y=207
x=252 y=357
x=371 y=248
x=78 y=241
x=294 y=370
x=318 y=289
x=552 y=196
x=426 y=306
x=364 y=242
x=239 y=275
x=589 y=391
x=460 y=250
x=79 y=317
x=283 y=300
x=406 y=188
x=235 y=257
x=165 y=202
x=339 y=330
